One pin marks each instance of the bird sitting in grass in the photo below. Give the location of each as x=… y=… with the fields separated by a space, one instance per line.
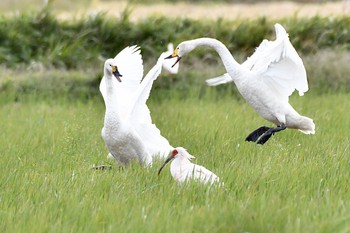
x=183 y=170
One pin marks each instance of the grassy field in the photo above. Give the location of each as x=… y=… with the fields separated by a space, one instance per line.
x=294 y=183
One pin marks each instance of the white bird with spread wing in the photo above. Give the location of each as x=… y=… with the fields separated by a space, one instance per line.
x=183 y=170
x=265 y=80
x=128 y=131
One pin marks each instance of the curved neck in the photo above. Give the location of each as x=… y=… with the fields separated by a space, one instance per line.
x=109 y=88
x=231 y=65
x=111 y=100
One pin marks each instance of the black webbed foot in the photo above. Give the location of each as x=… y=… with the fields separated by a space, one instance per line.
x=266 y=136
x=253 y=136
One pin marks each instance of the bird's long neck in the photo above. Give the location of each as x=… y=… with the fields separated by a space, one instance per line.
x=112 y=109
x=109 y=89
x=231 y=65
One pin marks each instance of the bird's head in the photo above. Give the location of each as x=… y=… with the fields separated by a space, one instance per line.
x=178 y=152
x=181 y=50
x=173 y=154
x=111 y=68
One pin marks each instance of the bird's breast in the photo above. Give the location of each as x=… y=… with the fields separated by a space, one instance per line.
x=260 y=98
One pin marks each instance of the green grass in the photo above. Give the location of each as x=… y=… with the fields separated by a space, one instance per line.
x=327 y=72
x=294 y=183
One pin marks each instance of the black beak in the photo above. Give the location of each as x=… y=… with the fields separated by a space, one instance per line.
x=170 y=56
x=166 y=161
x=177 y=60
x=117 y=75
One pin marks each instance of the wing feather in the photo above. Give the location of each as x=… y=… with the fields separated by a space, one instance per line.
x=225 y=78
x=130 y=65
x=140 y=115
x=279 y=65
x=203 y=174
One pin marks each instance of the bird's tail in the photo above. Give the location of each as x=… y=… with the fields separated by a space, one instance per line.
x=307 y=125
x=225 y=78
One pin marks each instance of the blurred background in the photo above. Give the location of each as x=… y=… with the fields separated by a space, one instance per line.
x=192 y=9
x=73 y=39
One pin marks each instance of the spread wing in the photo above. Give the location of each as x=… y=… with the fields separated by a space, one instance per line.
x=279 y=65
x=141 y=118
x=130 y=65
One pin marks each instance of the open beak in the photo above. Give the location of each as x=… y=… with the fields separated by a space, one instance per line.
x=173 y=55
x=166 y=161
x=116 y=73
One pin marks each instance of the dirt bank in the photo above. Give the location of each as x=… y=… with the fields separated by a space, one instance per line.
x=274 y=10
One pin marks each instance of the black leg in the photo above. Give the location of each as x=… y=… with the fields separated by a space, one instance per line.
x=253 y=136
x=266 y=136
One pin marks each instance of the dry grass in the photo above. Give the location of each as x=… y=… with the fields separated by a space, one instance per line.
x=273 y=10
x=10 y=6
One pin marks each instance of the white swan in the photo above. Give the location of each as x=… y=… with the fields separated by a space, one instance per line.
x=265 y=80
x=168 y=64
x=183 y=170
x=128 y=131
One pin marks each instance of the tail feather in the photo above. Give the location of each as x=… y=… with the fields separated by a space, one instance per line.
x=225 y=78
x=307 y=126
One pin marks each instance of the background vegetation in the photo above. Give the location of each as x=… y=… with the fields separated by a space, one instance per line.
x=34 y=44
x=40 y=37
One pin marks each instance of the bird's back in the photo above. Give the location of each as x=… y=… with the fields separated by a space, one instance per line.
x=183 y=170
x=204 y=175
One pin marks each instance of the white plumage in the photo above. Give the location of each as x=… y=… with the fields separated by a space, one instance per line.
x=265 y=80
x=183 y=170
x=128 y=131
x=272 y=60
x=168 y=64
